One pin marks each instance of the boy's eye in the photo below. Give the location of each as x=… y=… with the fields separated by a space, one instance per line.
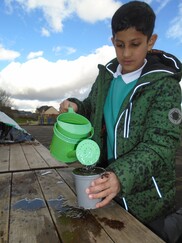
x=135 y=44
x=121 y=45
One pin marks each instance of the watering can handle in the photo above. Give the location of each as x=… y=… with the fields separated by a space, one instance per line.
x=70 y=109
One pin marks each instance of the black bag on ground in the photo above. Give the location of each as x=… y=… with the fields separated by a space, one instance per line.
x=10 y=134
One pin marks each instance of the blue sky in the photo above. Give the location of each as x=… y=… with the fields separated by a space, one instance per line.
x=49 y=50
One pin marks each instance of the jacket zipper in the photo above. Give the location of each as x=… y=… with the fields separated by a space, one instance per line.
x=127 y=113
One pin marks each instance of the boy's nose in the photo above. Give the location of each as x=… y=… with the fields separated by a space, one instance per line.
x=126 y=52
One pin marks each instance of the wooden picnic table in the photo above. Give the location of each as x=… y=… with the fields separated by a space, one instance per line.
x=38 y=204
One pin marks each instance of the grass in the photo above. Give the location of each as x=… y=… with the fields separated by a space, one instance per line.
x=23 y=121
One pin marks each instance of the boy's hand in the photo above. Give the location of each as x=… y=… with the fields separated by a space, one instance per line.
x=106 y=187
x=66 y=104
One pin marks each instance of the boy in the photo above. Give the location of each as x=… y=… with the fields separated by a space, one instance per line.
x=134 y=107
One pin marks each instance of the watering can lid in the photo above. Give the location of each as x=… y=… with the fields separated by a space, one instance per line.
x=87 y=152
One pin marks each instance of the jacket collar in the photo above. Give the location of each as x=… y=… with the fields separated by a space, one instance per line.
x=157 y=61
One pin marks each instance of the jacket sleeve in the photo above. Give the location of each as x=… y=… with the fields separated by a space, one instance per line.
x=154 y=154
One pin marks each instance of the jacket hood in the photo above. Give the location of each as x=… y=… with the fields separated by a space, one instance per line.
x=160 y=61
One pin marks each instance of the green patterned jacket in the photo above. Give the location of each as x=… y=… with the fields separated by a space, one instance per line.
x=148 y=133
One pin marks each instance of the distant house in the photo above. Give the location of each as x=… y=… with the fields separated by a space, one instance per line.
x=47 y=115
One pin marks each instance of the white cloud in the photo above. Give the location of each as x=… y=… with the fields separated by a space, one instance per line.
x=56 y=11
x=32 y=55
x=8 y=55
x=175 y=31
x=65 y=49
x=70 y=50
x=162 y=4
x=148 y=1
x=29 y=105
x=92 y=11
x=38 y=81
x=45 y=32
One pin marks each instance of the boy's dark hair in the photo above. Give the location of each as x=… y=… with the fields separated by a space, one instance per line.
x=136 y=14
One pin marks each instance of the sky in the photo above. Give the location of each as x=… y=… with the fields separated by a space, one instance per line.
x=50 y=49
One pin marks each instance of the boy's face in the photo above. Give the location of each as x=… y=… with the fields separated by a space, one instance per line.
x=131 y=47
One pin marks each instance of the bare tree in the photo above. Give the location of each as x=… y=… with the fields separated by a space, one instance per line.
x=5 y=102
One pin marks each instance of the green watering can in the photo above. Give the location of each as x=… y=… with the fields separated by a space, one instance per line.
x=69 y=130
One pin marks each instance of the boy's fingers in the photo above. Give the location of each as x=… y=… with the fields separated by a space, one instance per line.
x=104 y=202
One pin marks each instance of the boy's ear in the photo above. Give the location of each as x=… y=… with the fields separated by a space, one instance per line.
x=152 y=41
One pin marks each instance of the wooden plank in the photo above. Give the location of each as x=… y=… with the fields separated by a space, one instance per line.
x=66 y=174
x=122 y=225
x=45 y=153
x=5 y=182
x=17 y=158
x=4 y=157
x=73 y=224
x=54 y=186
x=30 y=220
x=26 y=156
x=34 y=159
